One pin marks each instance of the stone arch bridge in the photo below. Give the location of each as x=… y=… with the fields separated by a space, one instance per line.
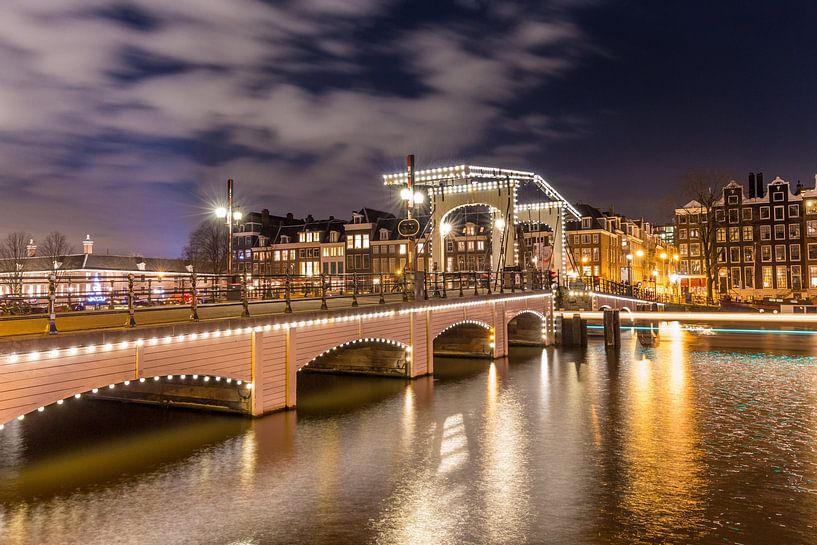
x=250 y=365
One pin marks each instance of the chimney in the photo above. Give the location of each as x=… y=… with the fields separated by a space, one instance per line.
x=310 y=219
x=290 y=217
x=87 y=245
x=761 y=191
x=799 y=187
x=265 y=216
x=752 y=193
x=31 y=248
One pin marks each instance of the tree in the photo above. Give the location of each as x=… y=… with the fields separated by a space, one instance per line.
x=55 y=247
x=705 y=188
x=206 y=249
x=13 y=260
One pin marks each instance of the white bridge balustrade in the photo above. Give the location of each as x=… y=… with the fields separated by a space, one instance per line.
x=255 y=358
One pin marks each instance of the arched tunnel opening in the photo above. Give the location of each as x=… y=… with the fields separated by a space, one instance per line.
x=527 y=329
x=465 y=340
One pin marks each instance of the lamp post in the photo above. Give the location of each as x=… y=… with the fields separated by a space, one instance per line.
x=230 y=215
x=630 y=272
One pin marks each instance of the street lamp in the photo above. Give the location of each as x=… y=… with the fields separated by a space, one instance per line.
x=630 y=271
x=500 y=223
x=230 y=215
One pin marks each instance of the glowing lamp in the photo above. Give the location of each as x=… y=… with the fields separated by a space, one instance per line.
x=221 y=212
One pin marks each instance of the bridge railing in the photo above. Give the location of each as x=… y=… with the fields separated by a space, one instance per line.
x=621 y=289
x=53 y=296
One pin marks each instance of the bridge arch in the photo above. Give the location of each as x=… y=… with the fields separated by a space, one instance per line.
x=527 y=327
x=363 y=355
x=466 y=338
x=119 y=391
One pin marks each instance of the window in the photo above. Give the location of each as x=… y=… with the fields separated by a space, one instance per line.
x=721 y=255
x=767 y=277
x=350 y=262
x=350 y=241
x=765 y=253
x=794 y=230
x=586 y=223
x=449 y=246
x=794 y=252
x=746 y=213
x=748 y=254
x=402 y=249
x=576 y=239
x=733 y=215
x=781 y=276
x=719 y=216
x=811 y=228
x=684 y=266
x=365 y=261
x=734 y=254
x=695 y=266
x=276 y=255
x=748 y=277
x=596 y=238
x=366 y=240
x=695 y=249
x=480 y=245
x=812 y=275
x=682 y=233
x=683 y=249
x=736 y=278
x=734 y=234
x=765 y=232
x=461 y=246
x=812 y=251
x=302 y=253
x=693 y=218
x=384 y=234
x=720 y=234
x=779 y=231
x=595 y=254
x=747 y=233
x=764 y=212
x=694 y=234
x=779 y=213
x=732 y=199
x=780 y=252
x=811 y=207
x=794 y=212
x=376 y=249
x=585 y=239
x=777 y=196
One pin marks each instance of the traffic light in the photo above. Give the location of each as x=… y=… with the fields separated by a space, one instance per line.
x=553 y=280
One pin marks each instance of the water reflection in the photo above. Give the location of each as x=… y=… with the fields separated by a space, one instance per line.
x=666 y=444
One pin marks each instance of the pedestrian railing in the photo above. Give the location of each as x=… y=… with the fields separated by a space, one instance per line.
x=134 y=295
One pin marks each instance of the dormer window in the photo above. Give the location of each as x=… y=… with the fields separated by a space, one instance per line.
x=586 y=223
x=384 y=234
x=334 y=236
x=284 y=239
x=357 y=218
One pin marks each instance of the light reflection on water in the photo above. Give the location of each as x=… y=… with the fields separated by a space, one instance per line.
x=677 y=444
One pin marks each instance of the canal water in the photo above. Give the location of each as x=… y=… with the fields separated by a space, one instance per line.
x=692 y=441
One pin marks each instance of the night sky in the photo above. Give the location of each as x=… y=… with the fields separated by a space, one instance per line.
x=124 y=119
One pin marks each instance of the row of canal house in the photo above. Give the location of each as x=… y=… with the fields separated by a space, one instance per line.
x=765 y=241
x=369 y=243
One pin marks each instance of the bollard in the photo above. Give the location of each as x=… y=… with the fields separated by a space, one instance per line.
x=194 y=301
x=324 y=306
x=245 y=296
x=131 y=310
x=354 y=289
x=287 y=295
x=52 y=304
x=612 y=329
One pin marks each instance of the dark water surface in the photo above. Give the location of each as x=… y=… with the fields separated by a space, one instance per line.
x=689 y=442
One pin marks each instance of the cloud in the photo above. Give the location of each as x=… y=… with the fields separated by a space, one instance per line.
x=124 y=119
